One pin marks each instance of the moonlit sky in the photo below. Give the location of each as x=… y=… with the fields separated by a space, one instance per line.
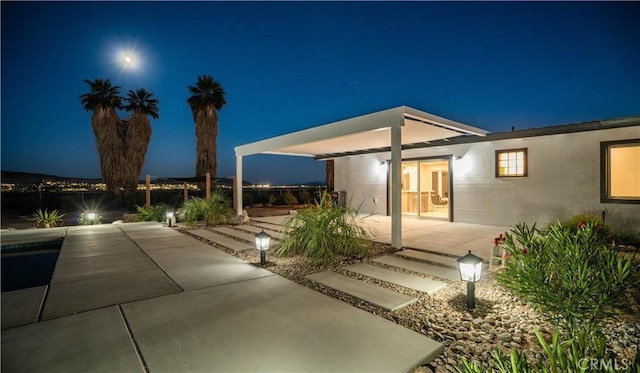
x=288 y=66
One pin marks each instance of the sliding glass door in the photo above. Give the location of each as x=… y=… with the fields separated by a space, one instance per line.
x=426 y=188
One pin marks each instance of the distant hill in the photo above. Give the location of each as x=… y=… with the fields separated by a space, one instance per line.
x=17 y=177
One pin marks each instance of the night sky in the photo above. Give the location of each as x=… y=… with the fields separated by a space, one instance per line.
x=288 y=66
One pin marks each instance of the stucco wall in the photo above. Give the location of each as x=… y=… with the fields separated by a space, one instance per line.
x=563 y=179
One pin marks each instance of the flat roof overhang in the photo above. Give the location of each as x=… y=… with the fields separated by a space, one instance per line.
x=363 y=133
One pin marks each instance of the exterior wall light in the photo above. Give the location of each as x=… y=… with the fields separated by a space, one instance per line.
x=262 y=244
x=91 y=216
x=470 y=271
x=170 y=218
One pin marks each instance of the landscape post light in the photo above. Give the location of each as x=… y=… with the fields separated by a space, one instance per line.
x=470 y=271
x=91 y=216
x=170 y=217
x=262 y=244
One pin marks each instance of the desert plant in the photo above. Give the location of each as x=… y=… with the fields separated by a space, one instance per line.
x=272 y=199
x=289 y=198
x=305 y=197
x=574 y=278
x=324 y=231
x=152 y=213
x=581 y=353
x=47 y=218
x=213 y=210
x=574 y=223
x=83 y=219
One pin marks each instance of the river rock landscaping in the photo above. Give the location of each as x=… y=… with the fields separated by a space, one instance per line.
x=499 y=321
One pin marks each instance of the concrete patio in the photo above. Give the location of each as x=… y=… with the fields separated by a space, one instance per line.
x=439 y=236
x=143 y=297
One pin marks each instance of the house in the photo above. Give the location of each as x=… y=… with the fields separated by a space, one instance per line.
x=405 y=162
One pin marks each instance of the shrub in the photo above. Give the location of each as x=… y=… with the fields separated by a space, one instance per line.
x=152 y=213
x=582 y=353
x=305 y=197
x=247 y=199
x=289 y=198
x=575 y=222
x=569 y=274
x=214 y=210
x=47 y=218
x=322 y=232
x=271 y=200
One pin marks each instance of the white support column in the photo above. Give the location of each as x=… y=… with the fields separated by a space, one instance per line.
x=238 y=185
x=396 y=186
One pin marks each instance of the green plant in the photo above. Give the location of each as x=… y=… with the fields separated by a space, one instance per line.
x=47 y=218
x=247 y=199
x=581 y=353
x=571 y=275
x=289 y=198
x=152 y=213
x=84 y=218
x=322 y=232
x=573 y=223
x=214 y=210
x=305 y=197
x=271 y=200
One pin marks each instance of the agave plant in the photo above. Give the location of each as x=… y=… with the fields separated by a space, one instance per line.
x=47 y=218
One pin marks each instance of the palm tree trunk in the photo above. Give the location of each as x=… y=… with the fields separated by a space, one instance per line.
x=136 y=140
x=206 y=145
x=106 y=127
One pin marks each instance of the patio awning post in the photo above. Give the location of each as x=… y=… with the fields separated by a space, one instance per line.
x=396 y=186
x=238 y=185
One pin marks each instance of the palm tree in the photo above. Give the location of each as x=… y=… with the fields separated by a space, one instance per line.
x=137 y=133
x=103 y=99
x=207 y=98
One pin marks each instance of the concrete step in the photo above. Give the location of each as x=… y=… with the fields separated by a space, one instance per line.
x=387 y=299
x=270 y=226
x=253 y=229
x=219 y=239
x=412 y=282
x=246 y=236
x=412 y=265
x=445 y=261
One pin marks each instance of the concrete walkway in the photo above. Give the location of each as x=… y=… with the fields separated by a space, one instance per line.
x=128 y=296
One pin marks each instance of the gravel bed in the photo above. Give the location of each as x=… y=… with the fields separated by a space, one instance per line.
x=500 y=320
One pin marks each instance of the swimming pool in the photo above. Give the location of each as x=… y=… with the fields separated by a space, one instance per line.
x=27 y=265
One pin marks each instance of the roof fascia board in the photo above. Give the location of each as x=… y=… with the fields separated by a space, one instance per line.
x=367 y=122
x=443 y=122
x=531 y=132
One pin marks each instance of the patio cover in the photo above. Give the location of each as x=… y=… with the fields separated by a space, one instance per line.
x=382 y=131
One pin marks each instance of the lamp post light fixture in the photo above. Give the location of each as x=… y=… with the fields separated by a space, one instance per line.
x=91 y=216
x=470 y=271
x=170 y=218
x=262 y=244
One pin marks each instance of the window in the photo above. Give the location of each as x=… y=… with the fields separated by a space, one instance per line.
x=512 y=162
x=620 y=171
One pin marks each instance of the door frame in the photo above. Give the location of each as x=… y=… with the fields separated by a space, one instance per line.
x=445 y=157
